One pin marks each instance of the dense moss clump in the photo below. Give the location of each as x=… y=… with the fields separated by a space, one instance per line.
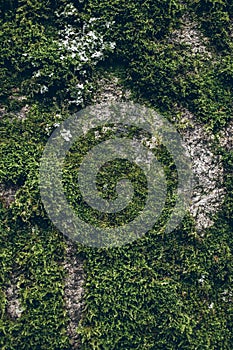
x=164 y=291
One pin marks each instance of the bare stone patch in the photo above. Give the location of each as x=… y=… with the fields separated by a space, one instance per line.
x=110 y=90
x=73 y=292
x=207 y=169
x=7 y=194
x=226 y=136
x=13 y=305
x=189 y=34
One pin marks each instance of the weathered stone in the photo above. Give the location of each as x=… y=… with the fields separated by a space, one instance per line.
x=73 y=291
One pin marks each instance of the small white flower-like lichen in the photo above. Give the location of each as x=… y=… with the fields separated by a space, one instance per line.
x=81 y=46
x=66 y=135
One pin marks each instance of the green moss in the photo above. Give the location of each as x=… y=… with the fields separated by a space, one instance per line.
x=150 y=294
